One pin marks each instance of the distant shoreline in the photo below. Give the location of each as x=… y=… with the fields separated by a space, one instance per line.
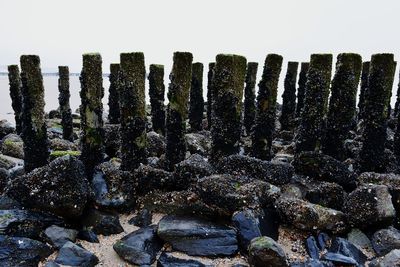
x=54 y=74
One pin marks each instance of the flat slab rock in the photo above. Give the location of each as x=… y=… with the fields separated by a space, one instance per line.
x=197 y=237
x=74 y=255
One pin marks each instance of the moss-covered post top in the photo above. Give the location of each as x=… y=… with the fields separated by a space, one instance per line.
x=63 y=72
x=13 y=69
x=292 y=66
x=114 y=68
x=319 y=61
x=156 y=67
x=30 y=66
x=181 y=78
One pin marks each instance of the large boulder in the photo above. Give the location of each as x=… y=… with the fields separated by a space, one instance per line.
x=272 y=172
x=74 y=255
x=155 y=144
x=6 y=128
x=197 y=237
x=233 y=192
x=369 y=206
x=60 y=188
x=112 y=187
x=325 y=168
x=198 y=143
x=149 y=178
x=390 y=259
x=191 y=170
x=266 y=252
x=58 y=236
x=21 y=251
x=101 y=222
x=312 y=217
x=13 y=146
x=139 y=247
x=385 y=240
x=59 y=144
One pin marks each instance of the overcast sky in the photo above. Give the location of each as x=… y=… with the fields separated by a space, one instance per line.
x=60 y=31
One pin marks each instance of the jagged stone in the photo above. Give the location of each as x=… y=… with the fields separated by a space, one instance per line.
x=102 y=223
x=58 y=236
x=74 y=255
x=142 y=219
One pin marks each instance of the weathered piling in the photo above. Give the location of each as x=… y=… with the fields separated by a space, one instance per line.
x=210 y=76
x=34 y=130
x=196 y=103
x=14 y=79
x=133 y=110
x=156 y=93
x=397 y=104
x=315 y=103
x=289 y=97
x=63 y=100
x=91 y=110
x=113 y=97
x=250 y=96
x=228 y=86
x=342 y=104
x=301 y=90
x=363 y=89
x=177 y=111
x=380 y=80
x=266 y=107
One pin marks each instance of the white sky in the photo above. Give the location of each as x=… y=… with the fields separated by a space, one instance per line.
x=60 y=31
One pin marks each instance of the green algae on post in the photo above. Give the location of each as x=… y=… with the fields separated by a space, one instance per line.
x=156 y=93
x=380 y=80
x=249 y=112
x=177 y=111
x=113 y=98
x=289 y=97
x=301 y=87
x=34 y=130
x=228 y=86
x=315 y=103
x=266 y=107
x=342 y=104
x=91 y=110
x=196 y=102
x=14 y=79
x=133 y=110
x=63 y=100
x=210 y=76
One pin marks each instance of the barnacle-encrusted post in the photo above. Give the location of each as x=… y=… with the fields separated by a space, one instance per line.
x=210 y=76
x=34 y=130
x=91 y=109
x=14 y=79
x=113 y=97
x=156 y=93
x=342 y=104
x=177 y=111
x=228 y=86
x=196 y=103
x=289 y=97
x=266 y=107
x=363 y=90
x=397 y=104
x=315 y=103
x=380 y=80
x=63 y=100
x=301 y=90
x=133 y=110
x=250 y=96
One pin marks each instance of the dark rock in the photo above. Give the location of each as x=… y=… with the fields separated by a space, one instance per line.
x=323 y=240
x=7 y=203
x=250 y=224
x=5 y=128
x=312 y=247
x=191 y=170
x=325 y=168
x=113 y=188
x=51 y=264
x=21 y=251
x=168 y=260
x=60 y=188
x=274 y=173
x=139 y=247
x=266 y=252
x=149 y=179
x=198 y=143
x=369 y=205
x=231 y=193
x=326 y=194
x=339 y=259
x=390 y=259
x=73 y=255
x=54 y=114
x=142 y=219
x=312 y=263
x=359 y=239
x=62 y=144
x=385 y=240
x=197 y=237
x=102 y=223
x=58 y=236
x=155 y=144
x=13 y=146
x=7 y=162
x=4 y=177
x=308 y=216
x=112 y=139
x=25 y=223
x=88 y=235
x=341 y=246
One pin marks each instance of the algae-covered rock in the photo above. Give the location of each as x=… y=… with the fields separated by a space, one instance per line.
x=13 y=146
x=266 y=252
